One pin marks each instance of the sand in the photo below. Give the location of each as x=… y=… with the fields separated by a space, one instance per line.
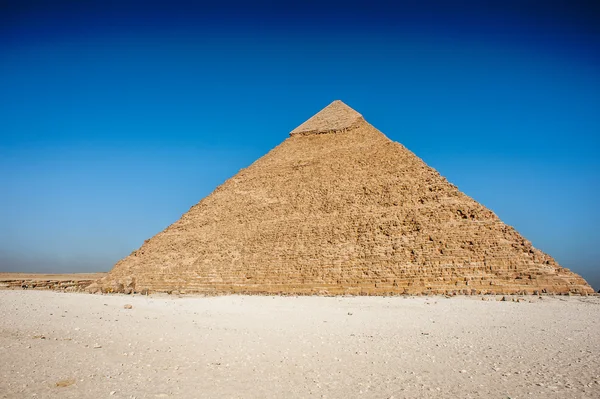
x=72 y=345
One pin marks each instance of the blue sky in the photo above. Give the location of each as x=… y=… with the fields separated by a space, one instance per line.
x=116 y=118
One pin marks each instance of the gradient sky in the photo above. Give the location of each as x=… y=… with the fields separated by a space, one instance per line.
x=117 y=117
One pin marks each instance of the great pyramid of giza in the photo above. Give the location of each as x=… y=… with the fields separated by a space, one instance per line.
x=338 y=208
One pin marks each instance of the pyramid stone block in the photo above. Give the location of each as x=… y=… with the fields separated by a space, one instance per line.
x=338 y=208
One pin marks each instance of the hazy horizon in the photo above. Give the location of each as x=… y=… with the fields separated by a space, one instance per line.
x=115 y=119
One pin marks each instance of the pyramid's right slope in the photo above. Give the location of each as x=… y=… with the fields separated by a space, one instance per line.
x=339 y=208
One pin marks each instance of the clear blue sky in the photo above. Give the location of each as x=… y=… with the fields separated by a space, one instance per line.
x=116 y=118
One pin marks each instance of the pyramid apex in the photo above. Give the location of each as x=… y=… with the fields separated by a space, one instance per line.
x=335 y=117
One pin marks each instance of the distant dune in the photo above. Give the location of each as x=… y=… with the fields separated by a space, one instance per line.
x=68 y=282
x=56 y=277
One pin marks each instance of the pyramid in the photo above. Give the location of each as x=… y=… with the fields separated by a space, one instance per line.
x=338 y=208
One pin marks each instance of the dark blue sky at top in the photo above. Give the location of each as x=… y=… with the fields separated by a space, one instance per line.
x=116 y=117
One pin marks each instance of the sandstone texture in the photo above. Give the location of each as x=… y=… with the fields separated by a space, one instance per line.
x=338 y=208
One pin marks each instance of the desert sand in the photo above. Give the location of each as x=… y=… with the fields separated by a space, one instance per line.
x=73 y=345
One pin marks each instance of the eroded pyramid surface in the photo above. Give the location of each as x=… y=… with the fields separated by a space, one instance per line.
x=338 y=208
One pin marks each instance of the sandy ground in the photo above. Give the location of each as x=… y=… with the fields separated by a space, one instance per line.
x=88 y=346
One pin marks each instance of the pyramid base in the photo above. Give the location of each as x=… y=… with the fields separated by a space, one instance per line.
x=516 y=287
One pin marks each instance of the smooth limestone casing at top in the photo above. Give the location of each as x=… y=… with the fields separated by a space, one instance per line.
x=338 y=208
